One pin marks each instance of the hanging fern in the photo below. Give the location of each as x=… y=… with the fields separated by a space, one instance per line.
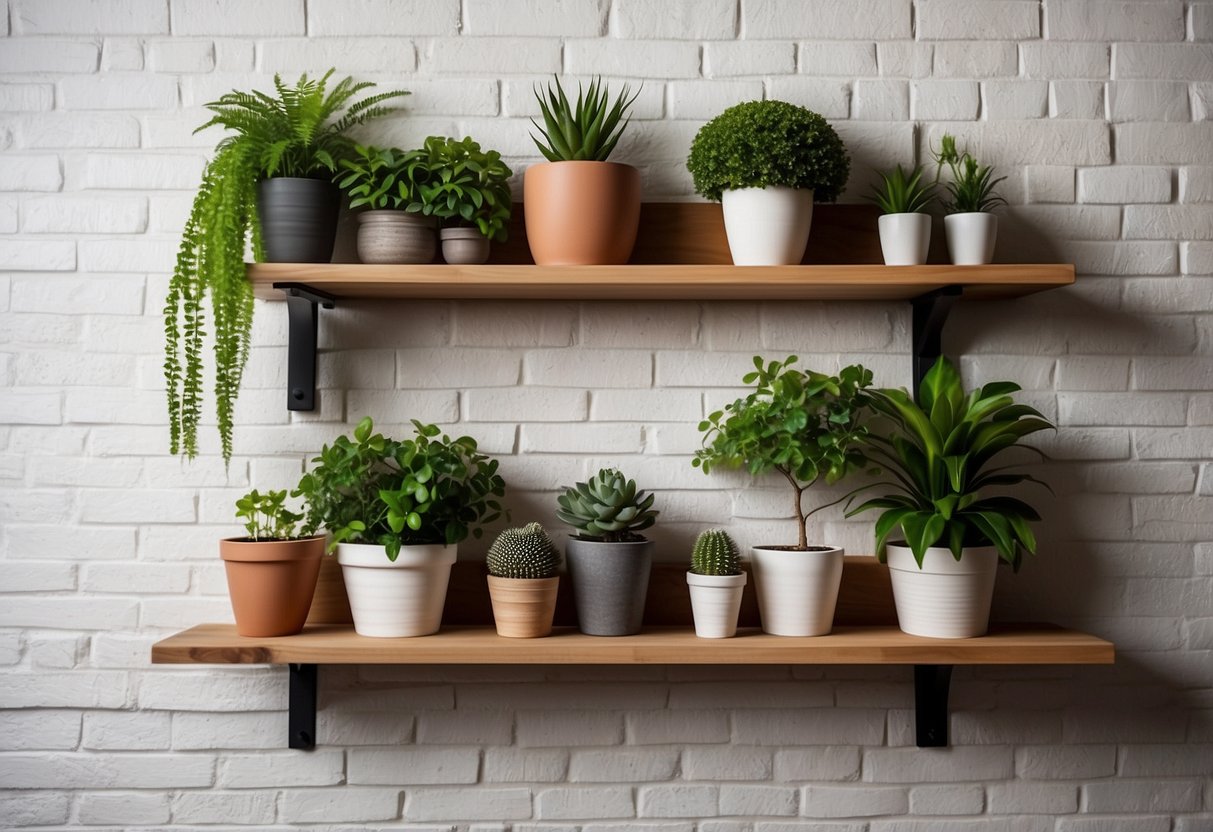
x=299 y=133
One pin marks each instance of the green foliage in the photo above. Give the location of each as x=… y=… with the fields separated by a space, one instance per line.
x=804 y=425
x=523 y=553
x=266 y=516
x=715 y=553
x=939 y=453
x=298 y=133
x=759 y=144
x=466 y=186
x=971 y=186
x=371 y=489
x=585 y=131
x=607 y=508
x=385 y=178
x=902 y=193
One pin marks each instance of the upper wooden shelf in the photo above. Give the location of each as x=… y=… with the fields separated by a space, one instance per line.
x=872 y=644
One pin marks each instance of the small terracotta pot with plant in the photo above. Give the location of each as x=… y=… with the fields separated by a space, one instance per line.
x=523 y=580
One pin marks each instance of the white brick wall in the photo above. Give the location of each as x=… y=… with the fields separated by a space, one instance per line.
x=1097 y=110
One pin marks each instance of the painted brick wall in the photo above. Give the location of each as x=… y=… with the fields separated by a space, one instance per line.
x=1099 y=112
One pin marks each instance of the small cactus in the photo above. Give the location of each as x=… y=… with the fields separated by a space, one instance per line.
x=523 y=553
x=607 y=508
x=715 y=553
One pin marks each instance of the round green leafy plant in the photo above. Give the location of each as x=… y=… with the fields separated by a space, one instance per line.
x=384 y=178
x=466 y=186
x=760 y=144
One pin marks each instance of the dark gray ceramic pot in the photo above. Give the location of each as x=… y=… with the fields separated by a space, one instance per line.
x=610 y=582
x=298 y=219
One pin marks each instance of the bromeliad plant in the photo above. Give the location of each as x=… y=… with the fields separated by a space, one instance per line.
x=971 y=186
x=430 y=489
x=385 y=178
x=940 y=453
x=300 y=132
x=266 y=516
x=466 y=186
x=903 y=193
x=715 y=553
x=805 y=425
x=609 y=508
x=586 y=131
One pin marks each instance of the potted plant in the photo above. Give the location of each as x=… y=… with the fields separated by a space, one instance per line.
x=608 y=559
x=905 y=227
x=271 y=571
x=807 y=427
x=267 y=187
x=580 y=209
x=971 y=227
x=396 y=512
x=523 y=566
x=716 y=582
x=940 y=451
x=766 y=162
x=388 y=183
x=469 y=192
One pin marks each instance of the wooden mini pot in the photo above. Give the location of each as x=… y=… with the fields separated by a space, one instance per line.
x=271 y=583
x=523 y=607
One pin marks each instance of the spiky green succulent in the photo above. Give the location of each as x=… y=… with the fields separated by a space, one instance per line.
x=715 y=553
x=523 y=553
x=607 y=508
x=586 y=131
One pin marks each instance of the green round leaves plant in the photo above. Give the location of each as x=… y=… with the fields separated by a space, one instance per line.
x=466 y=186
x=760 y=144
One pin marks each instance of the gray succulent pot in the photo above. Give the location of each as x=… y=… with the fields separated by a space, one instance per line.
x=298 y=219
x=610 y=582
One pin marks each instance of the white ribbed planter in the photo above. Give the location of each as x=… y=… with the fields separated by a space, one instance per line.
x=716 y=603
x=905 y=239
x=947 y=598
x=971 y=238
x=767 y=226
x=797 y=591
x=396 y=599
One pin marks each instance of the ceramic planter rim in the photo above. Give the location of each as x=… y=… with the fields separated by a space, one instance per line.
x=411 y=555
x=580 y=162
x=244 y=550
x=782 y=548
x=460 y=232
x=716 y=581
x=395 y=215
x=951 y=559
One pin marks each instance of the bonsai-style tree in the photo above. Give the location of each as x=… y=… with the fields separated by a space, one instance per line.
x=805 y=425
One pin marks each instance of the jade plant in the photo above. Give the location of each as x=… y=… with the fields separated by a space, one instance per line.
x=900 y=192
x=466 y=186
x=715 y=553
x=524 y=553
x=971 y=186
x=804 y=425
x=429 y=489
x=609 y=508
x=585 y=131
x=266 y=516
x=385 y=178
x=299 y=131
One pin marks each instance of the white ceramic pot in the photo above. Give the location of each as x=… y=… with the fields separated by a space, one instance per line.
x=797 y=591
x=947 y=598
x=396 y=599
x=716 y=602
x=971 y=238
x=905 y=238
x=767 y=226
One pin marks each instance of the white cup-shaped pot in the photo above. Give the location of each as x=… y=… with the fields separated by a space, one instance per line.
x=971 y=238
x=797 y=590
x=946 y=598
x=905 y=238
x=396 y=599
x=716 y=603
x=767 y=226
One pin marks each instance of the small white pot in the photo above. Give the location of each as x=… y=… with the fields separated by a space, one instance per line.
x=947 y=598
x=396 y=599
x=905 y=238
x=971 y=238
x=767 y=226
x=716 y=602
x=797 y=591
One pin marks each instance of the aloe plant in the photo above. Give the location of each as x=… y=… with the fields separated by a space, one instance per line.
x=903 y=193
x=939 y=454
x=971 y=188
x=587 y=131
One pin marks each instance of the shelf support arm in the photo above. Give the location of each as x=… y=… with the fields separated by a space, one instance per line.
x=302 y=304
x=301 y=718
x=930 y=313
x=931 y=685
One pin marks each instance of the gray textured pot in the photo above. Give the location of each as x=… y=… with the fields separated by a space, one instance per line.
x=298 y=219
x=390 y=236
x=610 y=582
x=464 y=246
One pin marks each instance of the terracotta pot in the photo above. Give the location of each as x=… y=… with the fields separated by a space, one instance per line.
x=271 y=583
x=464 y=246
x=389 y=236
x=523 y=607
x=581 y=213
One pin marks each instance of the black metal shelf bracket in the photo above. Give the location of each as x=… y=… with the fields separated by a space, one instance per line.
x=302 y=304
x=931 y=685
x=301 y=718
x=930 y=313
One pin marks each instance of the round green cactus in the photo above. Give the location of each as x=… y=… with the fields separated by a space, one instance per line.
x=607 y=508
x=523 y=553
x=715 y=553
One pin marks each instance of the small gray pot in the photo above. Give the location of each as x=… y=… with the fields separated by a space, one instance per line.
x=391 y=236
x=464 y=246
x=298 y=219
x=610 y=582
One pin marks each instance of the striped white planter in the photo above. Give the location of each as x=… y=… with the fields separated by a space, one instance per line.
x=947 y=598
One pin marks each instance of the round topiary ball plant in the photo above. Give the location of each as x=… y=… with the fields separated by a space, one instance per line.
x=760 y=144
